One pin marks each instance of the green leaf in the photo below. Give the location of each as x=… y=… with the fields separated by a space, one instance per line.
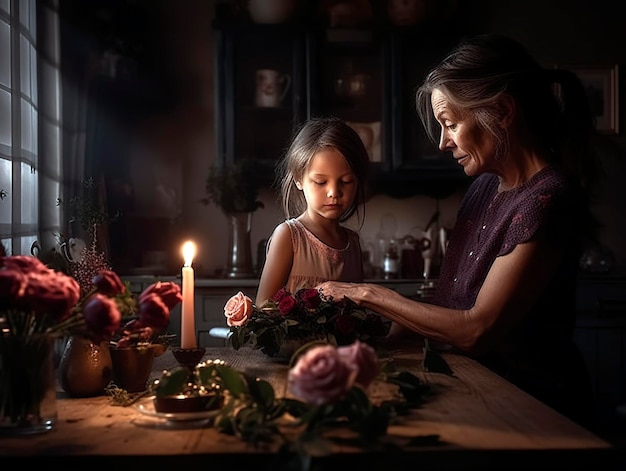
x=433 y=362
x=172 y=381
x=232 y=380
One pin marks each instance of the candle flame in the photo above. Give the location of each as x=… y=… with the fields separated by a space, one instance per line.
x=189 y=251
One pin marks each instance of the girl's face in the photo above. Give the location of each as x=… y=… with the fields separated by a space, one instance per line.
x=329 y=185
x=471 y=146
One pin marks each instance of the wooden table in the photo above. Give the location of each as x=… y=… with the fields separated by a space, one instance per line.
x=483 y=422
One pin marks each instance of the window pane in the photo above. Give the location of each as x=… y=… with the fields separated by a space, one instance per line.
x=5 y=122
x=25 y=244
x=5 y=184
x=30 y=195
x=5 y=5
x=25 y=87
x=5 y=54
x=28 y=135
x=25 y=13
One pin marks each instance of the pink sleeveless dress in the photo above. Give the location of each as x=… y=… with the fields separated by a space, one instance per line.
x=315 y=262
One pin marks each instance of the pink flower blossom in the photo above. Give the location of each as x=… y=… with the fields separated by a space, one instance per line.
x=238 y=309
x=363 y=358
x=321 y=376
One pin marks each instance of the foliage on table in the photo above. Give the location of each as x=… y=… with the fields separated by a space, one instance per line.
x=303 y=316
x=327 y=392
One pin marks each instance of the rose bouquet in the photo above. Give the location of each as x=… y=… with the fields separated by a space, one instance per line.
x=38 y=304
x=299 y=318
x=35 y=299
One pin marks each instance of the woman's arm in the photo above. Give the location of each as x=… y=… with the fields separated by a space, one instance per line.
x=513 y=284
x=278 y=264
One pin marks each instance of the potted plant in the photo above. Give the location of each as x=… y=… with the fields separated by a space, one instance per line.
x=235 y=190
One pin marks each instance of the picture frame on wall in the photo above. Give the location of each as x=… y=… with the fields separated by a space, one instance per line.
x=601 y=85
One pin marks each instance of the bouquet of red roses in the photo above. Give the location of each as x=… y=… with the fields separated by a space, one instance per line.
x=35 y=299
x=301 y=317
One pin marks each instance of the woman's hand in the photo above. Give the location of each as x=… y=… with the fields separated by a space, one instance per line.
x=338 y=291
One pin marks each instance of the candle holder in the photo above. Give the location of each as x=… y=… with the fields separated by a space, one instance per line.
x=189 y=357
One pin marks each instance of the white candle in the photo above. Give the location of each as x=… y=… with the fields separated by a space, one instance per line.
x=188 y=329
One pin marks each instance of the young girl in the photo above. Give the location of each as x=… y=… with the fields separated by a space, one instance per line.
x=322 y=181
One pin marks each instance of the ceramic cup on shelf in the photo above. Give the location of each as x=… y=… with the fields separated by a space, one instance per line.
x=271 y=11
x=271 y=87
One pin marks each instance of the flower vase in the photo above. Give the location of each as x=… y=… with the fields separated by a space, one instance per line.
x=239 y=246
x=132 y=367
x=27 y=384
x=85 y=369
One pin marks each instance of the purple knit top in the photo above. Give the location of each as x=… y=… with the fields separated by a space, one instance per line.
x=490 y=224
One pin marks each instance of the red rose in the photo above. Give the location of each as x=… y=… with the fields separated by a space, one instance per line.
x=24 y=263
x=107 y=282
x=49 y=293
x=102 y=317
x=153 y=311
x=286 y=305
x=12 y=286
x=281 y=294
x=310 y=297
x=238 y=309
x=168 y=291
x=363 y=358
x=345 y=324
x=320 y=376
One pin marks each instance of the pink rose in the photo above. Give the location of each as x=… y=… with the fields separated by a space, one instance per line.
x=153 y=312
x=102 y=317
x=168 y=291
x=363 y=358
x=320 y=376
x=108 y=282
x=238 y=309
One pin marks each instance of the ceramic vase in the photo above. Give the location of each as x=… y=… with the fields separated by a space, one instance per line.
x=132 y=367
x=239 y=264
x=27 y=384
x=85 y=369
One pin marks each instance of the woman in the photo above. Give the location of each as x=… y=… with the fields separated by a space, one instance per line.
x=506 y=292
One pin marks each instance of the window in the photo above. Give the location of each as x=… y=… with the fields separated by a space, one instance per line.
x=30 y=155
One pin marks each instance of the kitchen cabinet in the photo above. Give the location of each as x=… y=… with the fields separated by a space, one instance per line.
x=366 y=76
x=601 y=336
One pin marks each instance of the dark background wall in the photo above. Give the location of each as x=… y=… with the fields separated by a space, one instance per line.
x=158 y=131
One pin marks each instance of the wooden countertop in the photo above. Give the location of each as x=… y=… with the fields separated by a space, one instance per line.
x=483 y=422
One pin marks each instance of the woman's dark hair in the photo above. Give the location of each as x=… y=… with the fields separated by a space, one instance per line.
x=315 y=135
x=553 y=103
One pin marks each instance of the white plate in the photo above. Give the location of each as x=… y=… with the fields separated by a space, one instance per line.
x=147 y=408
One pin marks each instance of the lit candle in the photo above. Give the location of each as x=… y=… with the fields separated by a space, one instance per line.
x=188 y=329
